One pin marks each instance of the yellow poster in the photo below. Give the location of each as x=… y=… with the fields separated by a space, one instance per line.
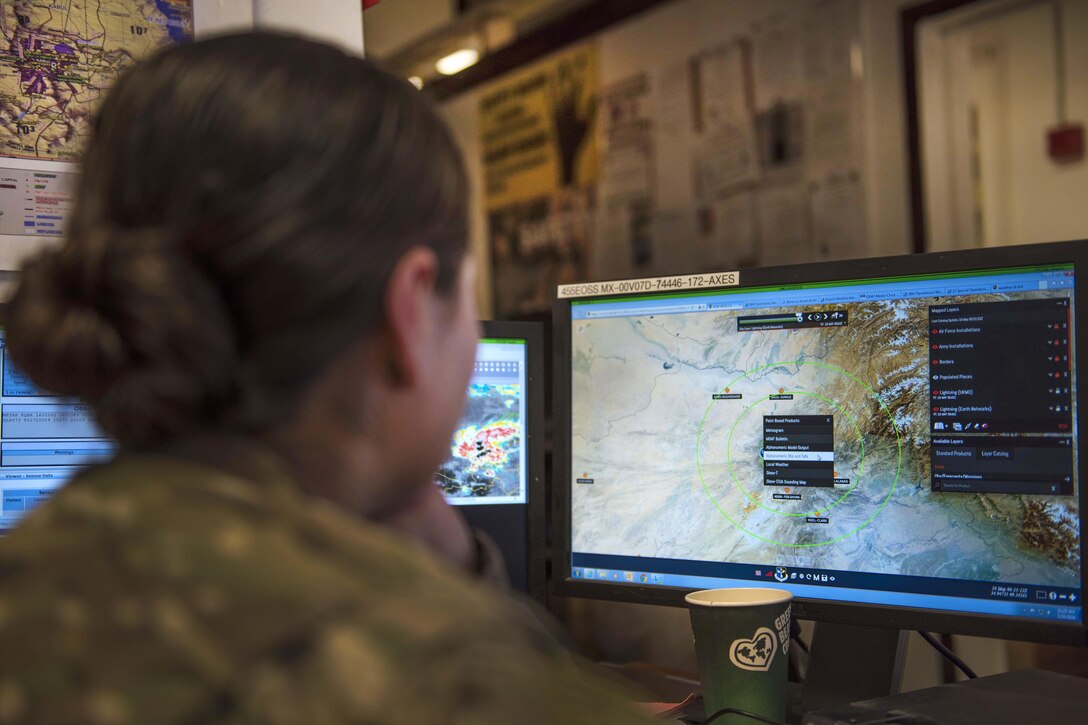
x=538 y=128
x=539 y=143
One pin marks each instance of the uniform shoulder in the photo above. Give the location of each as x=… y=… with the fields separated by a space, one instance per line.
x=226 y=595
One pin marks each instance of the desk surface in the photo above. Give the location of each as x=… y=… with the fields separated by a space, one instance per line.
x=1026 y=696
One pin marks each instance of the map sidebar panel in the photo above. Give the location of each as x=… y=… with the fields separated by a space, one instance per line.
x=486 y=464
x=908 y=441
x=44 y=442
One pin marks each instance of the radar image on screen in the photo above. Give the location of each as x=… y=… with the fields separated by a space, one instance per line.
x=899 y=436
x=486 y=449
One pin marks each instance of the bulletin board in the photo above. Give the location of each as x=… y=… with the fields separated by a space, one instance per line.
x=741 y=145
x=746 y=152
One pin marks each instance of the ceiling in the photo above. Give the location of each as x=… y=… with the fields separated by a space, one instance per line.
x=410 y=35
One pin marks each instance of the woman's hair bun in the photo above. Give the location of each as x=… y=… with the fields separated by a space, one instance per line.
x=124 y=321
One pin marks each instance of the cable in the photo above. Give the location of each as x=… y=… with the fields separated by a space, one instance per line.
x=950 y=655
x=793 y=671
x=795 y=635
x=742 y=713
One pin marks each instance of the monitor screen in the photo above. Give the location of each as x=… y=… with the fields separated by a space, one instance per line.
x=486 y=465
x=495 y=467
x=908 y=440
x=44 y=441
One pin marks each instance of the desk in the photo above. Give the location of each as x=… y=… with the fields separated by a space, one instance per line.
x=1012 y=698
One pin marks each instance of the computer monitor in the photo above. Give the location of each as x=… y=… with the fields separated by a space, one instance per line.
x=44 y=441
x=895 y=441
x=495 y=469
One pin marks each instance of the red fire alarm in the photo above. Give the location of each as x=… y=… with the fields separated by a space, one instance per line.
x=369 y=3
x=1065 y=143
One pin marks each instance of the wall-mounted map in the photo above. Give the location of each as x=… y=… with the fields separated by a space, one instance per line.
x=59 y=59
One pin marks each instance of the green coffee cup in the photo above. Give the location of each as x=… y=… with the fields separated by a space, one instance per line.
x=742 y=641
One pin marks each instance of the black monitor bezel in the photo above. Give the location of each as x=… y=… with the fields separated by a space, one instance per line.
x=533 y=444
x=1074 y=252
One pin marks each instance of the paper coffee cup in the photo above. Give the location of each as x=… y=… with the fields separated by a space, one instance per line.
x=742 y=639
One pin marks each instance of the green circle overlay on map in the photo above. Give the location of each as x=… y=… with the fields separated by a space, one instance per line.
x=833 y=368
x=729 y=454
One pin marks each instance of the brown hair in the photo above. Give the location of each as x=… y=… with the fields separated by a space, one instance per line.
x=241 y=206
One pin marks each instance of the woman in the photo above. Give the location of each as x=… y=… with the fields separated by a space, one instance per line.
x=265 y=297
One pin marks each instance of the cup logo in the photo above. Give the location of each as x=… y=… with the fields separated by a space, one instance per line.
x=755 y=654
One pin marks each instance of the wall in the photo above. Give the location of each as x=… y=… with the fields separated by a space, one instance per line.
x=997 y=61
x=648 y=42
x=887 y=179
x=335 y=21
x=339 y=22
x=220 y=16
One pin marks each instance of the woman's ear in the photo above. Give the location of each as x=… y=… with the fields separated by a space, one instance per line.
x=411 y=315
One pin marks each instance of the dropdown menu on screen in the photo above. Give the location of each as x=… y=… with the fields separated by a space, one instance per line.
x=799 y=450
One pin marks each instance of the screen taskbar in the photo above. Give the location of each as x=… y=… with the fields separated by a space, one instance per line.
x=1028 y=601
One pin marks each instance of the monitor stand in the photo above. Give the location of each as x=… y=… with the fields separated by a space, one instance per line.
x=848 y=663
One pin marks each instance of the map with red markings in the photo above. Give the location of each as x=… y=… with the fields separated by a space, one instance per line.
x=485 y=454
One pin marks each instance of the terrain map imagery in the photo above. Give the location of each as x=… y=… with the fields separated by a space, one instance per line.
x=674 y=417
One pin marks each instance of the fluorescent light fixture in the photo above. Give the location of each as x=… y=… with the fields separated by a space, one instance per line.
x=417 y=82
x=456 y=62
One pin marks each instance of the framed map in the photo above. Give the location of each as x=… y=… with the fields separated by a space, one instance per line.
x=59 y=58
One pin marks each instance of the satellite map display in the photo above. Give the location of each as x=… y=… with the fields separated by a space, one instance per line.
x=873 y=436
x=58 y=59
x=485 y=456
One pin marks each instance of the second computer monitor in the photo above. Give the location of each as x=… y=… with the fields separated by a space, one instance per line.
x=44 y=441
x=494 y=472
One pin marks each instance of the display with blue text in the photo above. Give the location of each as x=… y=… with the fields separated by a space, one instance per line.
x=44 y=441
x=907 y=441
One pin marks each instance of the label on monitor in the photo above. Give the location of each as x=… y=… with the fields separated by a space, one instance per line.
x=650 y=284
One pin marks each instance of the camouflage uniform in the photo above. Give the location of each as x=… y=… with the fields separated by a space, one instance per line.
x=163 y=589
